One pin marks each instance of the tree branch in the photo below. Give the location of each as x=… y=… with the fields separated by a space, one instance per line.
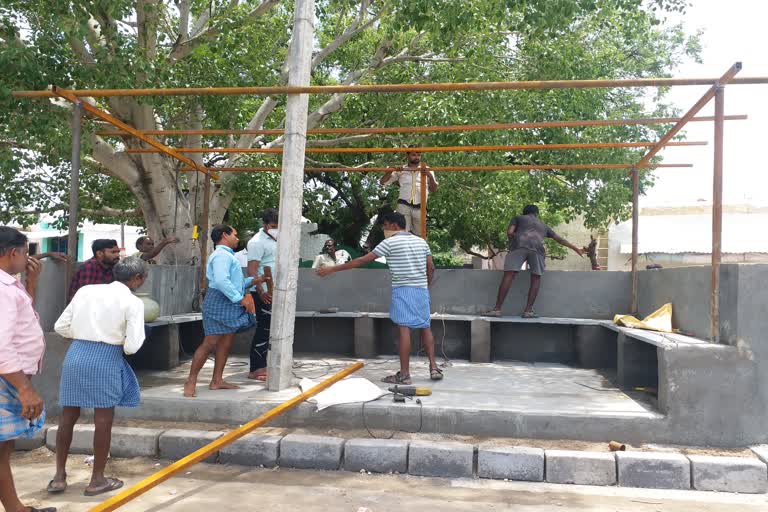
x=336 y=164
x=469 y=251
x=356 y=27
x=184 y=48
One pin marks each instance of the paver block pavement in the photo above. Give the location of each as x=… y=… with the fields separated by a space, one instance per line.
x=311 y=452
x=135 y=442
x=654 y=470
x=252 y=450
x=510 y=462
x=376 y=455
x=450 y=459
x=176 y=444
x=729 y=474
x=581 y=468
x=37 y=440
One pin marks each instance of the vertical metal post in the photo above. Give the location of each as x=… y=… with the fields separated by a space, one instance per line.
x=423 y=205
x=74 y=193
x=635 y=226
x=717 y=213
x=280 y=358
x=204 y=234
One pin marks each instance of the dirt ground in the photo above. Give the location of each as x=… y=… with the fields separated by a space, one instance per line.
x=207 y=487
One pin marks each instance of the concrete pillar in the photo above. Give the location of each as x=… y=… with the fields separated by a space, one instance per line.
x=280 y=358
x=365 y=338
x=480 y=341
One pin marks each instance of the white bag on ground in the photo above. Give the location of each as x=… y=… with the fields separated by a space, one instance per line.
x=348 y=391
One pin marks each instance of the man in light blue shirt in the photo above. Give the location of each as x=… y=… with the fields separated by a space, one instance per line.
x=262 y=250
x=227 y=309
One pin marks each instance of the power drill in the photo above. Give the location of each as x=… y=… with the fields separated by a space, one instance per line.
x=399 y=392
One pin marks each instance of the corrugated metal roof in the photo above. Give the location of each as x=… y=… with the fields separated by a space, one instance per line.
x=674 y=234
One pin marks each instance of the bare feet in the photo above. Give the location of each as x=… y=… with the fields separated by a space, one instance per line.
x=222 y=385
x=261 y=376
x=189 y=389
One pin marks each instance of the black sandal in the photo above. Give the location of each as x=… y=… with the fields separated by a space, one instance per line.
x=113 y=484
x=55 y=490
x=435 y=373
x=46 y=509
x=397 y=379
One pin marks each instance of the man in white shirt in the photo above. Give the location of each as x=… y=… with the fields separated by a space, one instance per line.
x=105 y=321
x=408 y=177
x=331 y=256
x=262 y=255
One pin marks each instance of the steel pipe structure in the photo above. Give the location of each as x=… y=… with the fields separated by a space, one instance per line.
x=455 y=168
x=428 y=129
x=432 y=149
x=393 y=88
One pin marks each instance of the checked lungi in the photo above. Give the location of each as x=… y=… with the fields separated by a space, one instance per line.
x=12 y=424
x=222 y=316
x=96 y=375
x=410 y=307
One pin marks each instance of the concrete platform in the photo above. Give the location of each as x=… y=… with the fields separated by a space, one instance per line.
x=517 y=400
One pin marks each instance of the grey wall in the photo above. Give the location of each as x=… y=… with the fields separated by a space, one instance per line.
x=688 y=289
x=463 y=291
x=174 y=288
x=51 y=295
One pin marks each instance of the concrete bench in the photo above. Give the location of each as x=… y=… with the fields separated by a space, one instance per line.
x=163 y=341
x=368 y=334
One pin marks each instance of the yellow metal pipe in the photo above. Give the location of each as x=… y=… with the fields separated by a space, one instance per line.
x=161 y=476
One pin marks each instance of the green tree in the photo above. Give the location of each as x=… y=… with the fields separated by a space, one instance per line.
x=196 y=43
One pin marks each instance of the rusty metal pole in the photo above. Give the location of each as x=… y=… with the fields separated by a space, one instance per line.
x=203 y=235
x=717 y=214
x=635 y=226
x=423 y=205
x=74 y=193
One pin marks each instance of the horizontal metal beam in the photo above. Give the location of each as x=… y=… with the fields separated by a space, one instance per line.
x=456 y=168
x=158 y=146
x=728 y=77
x=428 y=129
x=434 y=149
x=383 y=88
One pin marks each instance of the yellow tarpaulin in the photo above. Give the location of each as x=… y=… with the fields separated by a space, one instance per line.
x=660 y=320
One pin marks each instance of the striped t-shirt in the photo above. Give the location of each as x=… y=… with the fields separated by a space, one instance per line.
x=407 y=259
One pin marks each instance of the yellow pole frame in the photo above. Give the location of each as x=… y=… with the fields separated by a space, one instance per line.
x=164 y=474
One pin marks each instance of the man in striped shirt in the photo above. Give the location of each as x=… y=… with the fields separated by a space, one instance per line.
x=411 y=268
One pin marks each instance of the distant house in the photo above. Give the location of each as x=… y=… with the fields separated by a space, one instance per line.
x=682 y=236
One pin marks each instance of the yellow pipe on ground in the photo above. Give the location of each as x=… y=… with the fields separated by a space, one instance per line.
x=193 y=458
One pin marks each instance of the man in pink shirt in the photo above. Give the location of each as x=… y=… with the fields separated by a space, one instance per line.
x=22 y=345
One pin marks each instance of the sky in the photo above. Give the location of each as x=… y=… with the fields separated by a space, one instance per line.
x=735 y=30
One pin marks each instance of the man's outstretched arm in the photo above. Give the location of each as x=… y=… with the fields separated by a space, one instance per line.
x=357 y=262
x=562 y=241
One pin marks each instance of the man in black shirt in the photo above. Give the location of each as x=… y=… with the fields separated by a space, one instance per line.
x=526 y=234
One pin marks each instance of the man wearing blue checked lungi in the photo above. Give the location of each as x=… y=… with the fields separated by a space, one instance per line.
x=227 y=309
x=22 y=345
x=411 y=267
x=104 y=321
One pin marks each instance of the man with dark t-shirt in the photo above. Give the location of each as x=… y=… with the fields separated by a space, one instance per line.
x=526 y=234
